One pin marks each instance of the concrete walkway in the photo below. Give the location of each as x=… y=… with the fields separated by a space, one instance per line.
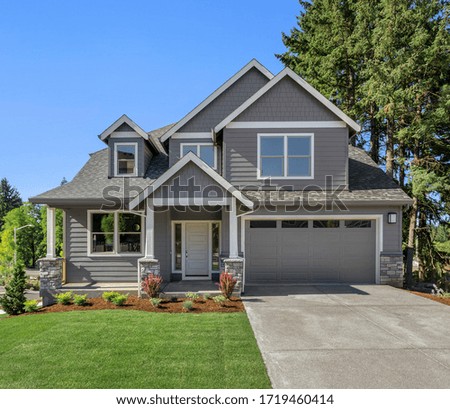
x=337 y=336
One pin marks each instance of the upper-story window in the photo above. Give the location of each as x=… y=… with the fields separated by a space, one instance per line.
x=205 y=151
x=125 y=157
x=288 y=156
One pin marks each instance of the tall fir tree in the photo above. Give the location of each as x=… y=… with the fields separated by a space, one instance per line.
x=9 y=199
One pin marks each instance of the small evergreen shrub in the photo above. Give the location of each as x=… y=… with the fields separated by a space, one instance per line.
x=120 y=300
x=188 y=305
x=13 y=302
x=226 y=284
x=64 y=298
x=110 y=295
x=80 y=300
x=207 y=296
x=31 y=306
x=152 y=284
x=156 y=302
x=192 y=296
x=220 y=300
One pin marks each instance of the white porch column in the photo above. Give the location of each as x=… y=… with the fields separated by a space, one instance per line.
x=233 y=225
x=51 y=238
x=150 y=231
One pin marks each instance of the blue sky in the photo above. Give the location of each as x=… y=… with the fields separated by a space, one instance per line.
x=68 y=69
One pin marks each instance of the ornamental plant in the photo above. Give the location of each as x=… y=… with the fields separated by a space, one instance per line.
x=64 y=298
x=31 y=306
x=13 y=302
x=226 y=284
x=120 y=300
x=80 y=300
x=156 y=302
x=220 y=300
x=188 y=305
x=152 y=284
x=192 y=296
x=108 y=296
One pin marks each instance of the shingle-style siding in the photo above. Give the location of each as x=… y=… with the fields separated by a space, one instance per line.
x=84 y=268
x=287 y=101
x=191 y=181
x=227 y=102
x=330 y=157
x=175 y=150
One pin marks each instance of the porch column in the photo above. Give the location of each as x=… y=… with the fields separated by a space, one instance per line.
x=51 y=238
x=233 y=225
x=150 y=231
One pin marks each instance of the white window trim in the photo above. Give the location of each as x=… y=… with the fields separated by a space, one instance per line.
x=116 y=169
x=183 y=246
x=285 y=138
x=198 y=144
x=116 y=233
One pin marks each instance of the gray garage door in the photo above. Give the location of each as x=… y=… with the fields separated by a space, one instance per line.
x=310 y=251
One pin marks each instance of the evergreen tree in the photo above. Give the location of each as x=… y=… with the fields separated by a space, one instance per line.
x=14 y=299
x=9 y=199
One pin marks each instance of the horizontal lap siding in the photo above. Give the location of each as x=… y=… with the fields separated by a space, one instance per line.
x=330 y=156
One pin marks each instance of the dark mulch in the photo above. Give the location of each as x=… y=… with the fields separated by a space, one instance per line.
x=141 y=304
x=442 y=300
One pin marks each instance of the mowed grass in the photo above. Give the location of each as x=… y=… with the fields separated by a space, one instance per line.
x=130 y=349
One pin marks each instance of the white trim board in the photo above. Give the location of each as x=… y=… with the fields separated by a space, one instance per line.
x=286 y=124
x=193 y=135
x=252 y=64
x=190 y=157
x=379 y=245
x=287 y=72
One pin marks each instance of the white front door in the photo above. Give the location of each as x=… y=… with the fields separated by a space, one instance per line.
x=197 y=256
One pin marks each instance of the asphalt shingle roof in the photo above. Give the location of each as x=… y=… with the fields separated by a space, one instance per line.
x=367 y=182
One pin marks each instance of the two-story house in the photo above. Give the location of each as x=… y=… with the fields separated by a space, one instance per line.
x=260 y=179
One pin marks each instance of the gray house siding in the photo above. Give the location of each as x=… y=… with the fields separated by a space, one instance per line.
x=227 y=102
x=287 y=101
x=330 y=157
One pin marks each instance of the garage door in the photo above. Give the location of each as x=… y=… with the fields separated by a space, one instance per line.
x=310 y=251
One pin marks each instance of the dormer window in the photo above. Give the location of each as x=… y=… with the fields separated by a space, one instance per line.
x=125 y=157
x=205 y=151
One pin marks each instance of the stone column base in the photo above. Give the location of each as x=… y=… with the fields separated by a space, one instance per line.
x=391 y=269
x=147 y=266
x=50 y=278
x=235 y=267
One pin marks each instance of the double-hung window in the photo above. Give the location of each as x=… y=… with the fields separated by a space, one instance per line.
x=285 y=156
x=205 y=151
x=115 y=233
x=125 y=158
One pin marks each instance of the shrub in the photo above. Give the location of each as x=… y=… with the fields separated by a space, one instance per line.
x=206 y=296
x=120 y=299
x=226 y=284
x=220 y=300
x=13 y=302
x=192 y=296
x=80 y=300
x=151 y=285
x=31 y=306
x=64 y=298
x=156 y=302
x=188 y=305
x=110 y=295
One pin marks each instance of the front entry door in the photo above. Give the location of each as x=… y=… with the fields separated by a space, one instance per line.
x=197 y=250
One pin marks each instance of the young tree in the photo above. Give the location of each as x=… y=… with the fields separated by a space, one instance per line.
x=9 y=199
x=14 y=299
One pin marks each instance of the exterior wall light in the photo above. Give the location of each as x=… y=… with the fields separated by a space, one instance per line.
x=392 y=218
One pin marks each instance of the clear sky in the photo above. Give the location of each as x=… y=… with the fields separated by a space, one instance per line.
x=68 y=69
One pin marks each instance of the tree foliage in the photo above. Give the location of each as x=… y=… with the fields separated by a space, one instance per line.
x=13 y=301
x=387 y=64
x=9 y=199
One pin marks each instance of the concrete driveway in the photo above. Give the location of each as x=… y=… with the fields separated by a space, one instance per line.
x=338 y=336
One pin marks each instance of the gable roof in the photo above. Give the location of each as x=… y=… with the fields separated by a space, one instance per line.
x=252 y=64
x=190 y=158
x=287 y=72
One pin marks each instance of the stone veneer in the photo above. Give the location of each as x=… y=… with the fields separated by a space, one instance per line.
x=391 y=269
x=235 y=267
x=146 y=267
x=50 y=278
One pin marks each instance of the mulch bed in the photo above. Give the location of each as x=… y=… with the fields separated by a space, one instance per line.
x=442 y=300
x=142 y=304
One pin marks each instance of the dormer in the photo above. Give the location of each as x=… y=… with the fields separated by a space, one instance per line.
x=130 y=148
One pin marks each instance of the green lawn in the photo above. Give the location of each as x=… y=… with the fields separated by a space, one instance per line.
x=130 y=349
